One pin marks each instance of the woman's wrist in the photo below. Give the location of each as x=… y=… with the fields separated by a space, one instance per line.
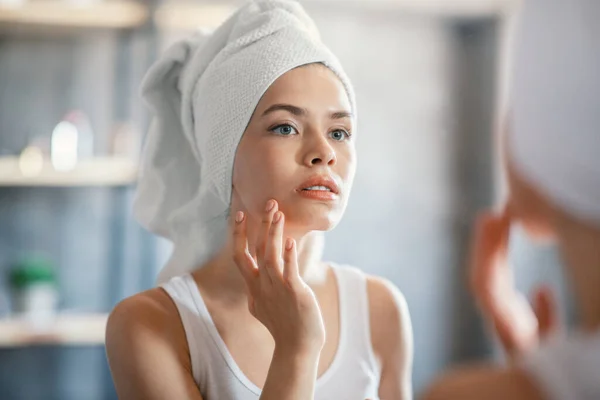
x=298 y=355
x=292 y=374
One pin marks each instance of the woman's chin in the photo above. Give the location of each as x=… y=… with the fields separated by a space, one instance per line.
x=309 y=223
x=311 y=216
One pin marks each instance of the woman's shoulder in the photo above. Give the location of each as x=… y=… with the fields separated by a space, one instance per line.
x=385 y=298
x=147 y=320
x=147 y=349
x=151 y=306
x=386 y=301
x=389 y=316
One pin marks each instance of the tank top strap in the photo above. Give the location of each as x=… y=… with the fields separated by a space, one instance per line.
x=354 y=314
x=193 y=313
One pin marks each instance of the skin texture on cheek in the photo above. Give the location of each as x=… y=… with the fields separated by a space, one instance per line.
x=257 y=177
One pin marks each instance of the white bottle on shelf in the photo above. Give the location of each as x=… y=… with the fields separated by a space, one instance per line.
x=72 y=141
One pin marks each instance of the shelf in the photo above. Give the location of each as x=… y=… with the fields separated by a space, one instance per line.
x=62 y=13
x=455 y=8
x=95 y=172
x=438 y=8
x=189 y=16
x=68 y=329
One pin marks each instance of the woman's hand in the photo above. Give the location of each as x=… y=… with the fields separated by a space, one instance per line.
x=518 y=326
x=277 y=295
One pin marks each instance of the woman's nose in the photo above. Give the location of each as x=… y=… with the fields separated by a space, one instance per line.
x=320 y=152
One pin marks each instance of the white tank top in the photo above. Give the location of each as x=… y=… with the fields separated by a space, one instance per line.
x=566 y=368
x=353 y=374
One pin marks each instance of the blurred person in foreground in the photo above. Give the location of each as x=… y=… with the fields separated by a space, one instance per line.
x=551 y=150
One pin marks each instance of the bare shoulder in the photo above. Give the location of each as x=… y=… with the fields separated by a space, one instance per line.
x=391 y=329
x=146 y=343
x=484 y=382
x=385 y=300
x=388 y=310
x=149 y=314
x=147 y=318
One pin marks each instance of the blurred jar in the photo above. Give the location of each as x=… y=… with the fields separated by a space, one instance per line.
x=34 y=292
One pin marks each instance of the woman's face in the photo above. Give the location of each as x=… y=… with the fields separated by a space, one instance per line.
x=299 y=150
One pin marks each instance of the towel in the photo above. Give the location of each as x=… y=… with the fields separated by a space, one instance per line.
x=202 y=93
x=555 y=140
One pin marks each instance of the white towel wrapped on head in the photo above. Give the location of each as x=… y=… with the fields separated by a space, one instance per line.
x=203 y=92
x=555 y=140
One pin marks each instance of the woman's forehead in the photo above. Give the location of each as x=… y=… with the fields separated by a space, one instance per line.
x=313 y=87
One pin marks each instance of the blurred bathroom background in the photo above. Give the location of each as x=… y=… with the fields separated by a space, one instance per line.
x=430 y=80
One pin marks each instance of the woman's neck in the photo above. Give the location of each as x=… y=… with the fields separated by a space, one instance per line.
x=222 y=272
x=580 y=248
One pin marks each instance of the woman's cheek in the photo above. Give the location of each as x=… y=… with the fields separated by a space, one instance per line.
x=347 y=164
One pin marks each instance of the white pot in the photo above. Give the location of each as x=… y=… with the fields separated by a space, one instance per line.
x=37 y=303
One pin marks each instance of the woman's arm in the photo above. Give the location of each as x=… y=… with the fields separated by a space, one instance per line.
x=291 y=376
x=392 y=338
x=147 y=350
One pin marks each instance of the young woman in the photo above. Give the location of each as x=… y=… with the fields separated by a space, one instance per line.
x=554 y=179
x=251 y=155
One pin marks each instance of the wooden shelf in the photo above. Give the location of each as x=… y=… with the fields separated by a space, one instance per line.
x=67 y=329
x=61 y=13
x=94 y=172
x=189 y=16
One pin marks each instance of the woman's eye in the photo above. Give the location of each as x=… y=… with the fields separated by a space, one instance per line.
x=339 y=135
x=284 y=130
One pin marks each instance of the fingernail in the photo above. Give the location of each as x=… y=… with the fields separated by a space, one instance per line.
x=270 y=205
x=289 y=243
x=277 y=217
x=239 y=217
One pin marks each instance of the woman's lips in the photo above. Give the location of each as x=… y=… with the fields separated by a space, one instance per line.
x=323 y=195
x=319 y=187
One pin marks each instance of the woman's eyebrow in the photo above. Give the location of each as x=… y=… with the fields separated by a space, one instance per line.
x=300 y=112
x=340 y=115
x=297 y=111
